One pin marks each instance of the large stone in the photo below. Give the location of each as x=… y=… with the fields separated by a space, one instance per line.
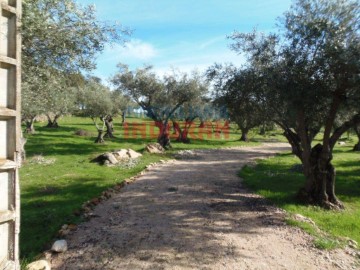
x=126 y=154
x=121 y=154
x=154 y=148
x=133 y=154
x=39 y=265
x=111 y=158
x=59 y=246
x=116 y=157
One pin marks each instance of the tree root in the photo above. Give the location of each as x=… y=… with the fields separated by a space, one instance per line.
x=310 y=199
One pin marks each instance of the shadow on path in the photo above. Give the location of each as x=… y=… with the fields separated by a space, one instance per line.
x=192 y=214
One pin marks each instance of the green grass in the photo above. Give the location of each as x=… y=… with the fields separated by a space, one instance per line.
x=274 y=180
x=51 y=193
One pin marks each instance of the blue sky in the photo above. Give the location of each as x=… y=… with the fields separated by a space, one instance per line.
x=181 y=34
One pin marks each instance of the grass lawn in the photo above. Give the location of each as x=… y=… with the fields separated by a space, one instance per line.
x=274 y=180
x=51 y=193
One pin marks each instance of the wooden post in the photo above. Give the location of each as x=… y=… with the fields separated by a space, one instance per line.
x=10 y=133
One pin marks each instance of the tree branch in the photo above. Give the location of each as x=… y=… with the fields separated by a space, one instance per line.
x=292 y=138
x=342 y=129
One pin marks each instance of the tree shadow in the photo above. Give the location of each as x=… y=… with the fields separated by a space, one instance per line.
x=281 y=181
x=45 y=209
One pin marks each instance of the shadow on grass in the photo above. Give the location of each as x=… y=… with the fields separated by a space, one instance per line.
x=58 y=143
x=276 y=182
x=53 y=145
x=275 y=179
x=43 y=214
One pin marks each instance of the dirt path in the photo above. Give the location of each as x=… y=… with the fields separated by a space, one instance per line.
x=194 y=214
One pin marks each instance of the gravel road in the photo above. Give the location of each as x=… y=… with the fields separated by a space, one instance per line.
x=194 y=214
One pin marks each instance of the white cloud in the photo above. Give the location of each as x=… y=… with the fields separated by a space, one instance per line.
x=132 y=50
x=139 y=50
x=198 y=62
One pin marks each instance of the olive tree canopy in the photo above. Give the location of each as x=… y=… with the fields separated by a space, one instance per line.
x=59 y=38
x=160 y=98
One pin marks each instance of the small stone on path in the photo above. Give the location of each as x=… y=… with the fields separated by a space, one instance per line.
x=59 y=246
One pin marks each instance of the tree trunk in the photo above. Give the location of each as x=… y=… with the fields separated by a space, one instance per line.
x=357 y=146
x=262 y=130
x=123 y=118
x=100 y=137
x=202 y=124
x=164 y=136
x=183 y=134
x=109 y=127
x=22 y=149
x=244 y=135
x=357 y=131
x=30 y=129
x=177 y=129
x=53 y=123
x=320 y=186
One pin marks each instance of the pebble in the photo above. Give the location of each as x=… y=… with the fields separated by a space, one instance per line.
x=353 y=244
x=59 y=246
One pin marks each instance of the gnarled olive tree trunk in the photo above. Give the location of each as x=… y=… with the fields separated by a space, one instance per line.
x=164 y=134
x=108 y=120
x=52 y=123
x=319 y=173
x=123 y=118
x=244 y=135
x=30 y=129
x=100 y=130
x=100 y=137
x=320 y=179
x=183 y=133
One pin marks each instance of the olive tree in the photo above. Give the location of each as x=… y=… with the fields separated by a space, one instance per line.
x=97 y=103
x=310 y=73
x=186 y=114
x=121 y=102
x=160 y=98
x=236 y=90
